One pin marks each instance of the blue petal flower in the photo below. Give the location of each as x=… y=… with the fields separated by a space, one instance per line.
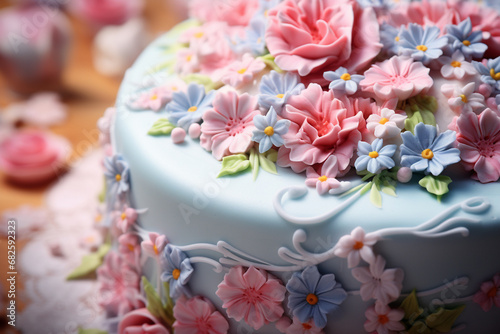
x=255 y=37
x=374 y=157
x=490 y=74
x=461 y=37
x=389 y=37
x=178 y=271
x=423 y=44
x=187 y=108
x=117 y=175
x=276 y=88
x=426 y=151
x=342 y=82
x=269 y=130
x=313 y=295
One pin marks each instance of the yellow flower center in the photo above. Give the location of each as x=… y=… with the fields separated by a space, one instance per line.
x=422 y=48
x=156 y=250
x=153 y=97
x=280 y=96
x=98 y=218
x=312 y=299
x=90 y=239
x=427 y=154
x=464 y=98
x=323 y=178
x=396 y=38
x=131 y=247
x=198 y=35
x=242 y=71
x=193 y=109
x=494 y=75
x=175 y=88
x=123 y=216
x=306 y=326
x=384 y=120
x=358 y=245
x=373 y=154
x=176 y=273
x=118 y=177
x=383 y=319
x=466 y=43
x=345 y=77
x=189 y=57
x=456 y=63
x=259 y=40
x=269 y=131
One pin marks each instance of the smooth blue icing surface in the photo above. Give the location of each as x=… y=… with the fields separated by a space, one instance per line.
x=187 y=203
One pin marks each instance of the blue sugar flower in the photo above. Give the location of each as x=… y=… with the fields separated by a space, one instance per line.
x=187 y=108
x=428 y=152
x=389 y=37
x=342 y=82
x=255 y=40
x=117 y=175
x=423 y=44
x=269 y=131
x=375 y=157
x=492 y=4
x=313 y=295
x=490 y=74
x=178 y=271
x=461 y=37
x=276 y=88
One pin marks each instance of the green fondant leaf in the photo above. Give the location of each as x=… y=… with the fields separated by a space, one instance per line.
x=375 y=196
x=272 y=155
x=367 y=176
x=155 y=305
x=437 y=185
x=234 y=164
x=161 y=127
x=419 y=327
x=254 y=163
x=269 y=61
x=266 y=164
x=90 y=263
x=203 y=80
x=350 y=191
x=389 y=186
x=366 y=188
x=443 y=320
x=91 y=331
x=420 y=109
x=411 y=307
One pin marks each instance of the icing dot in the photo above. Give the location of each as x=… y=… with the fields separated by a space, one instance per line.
x=456 y=63
x=384 y=120
x=345 y=77
x=464 y=98
x=178 y=135
x=422 y=48
x=323 y=178
x=242 y=71
x=269 y=131
x=176 y=273
x=193 y=109
x=383 y=319
x=306 y=326
x=404 y=174
x=466 y=43
x=98 y=218
x=194 y=131
x=312 y=299
x=373 y=154
x=280 y=96
x=118 y=177
x=427 y=154
x=124 y=216
x=358 y=245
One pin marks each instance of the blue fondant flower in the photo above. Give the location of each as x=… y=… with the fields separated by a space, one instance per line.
x=490 y=74
x=255 y=39
x=269 y=131
x=425 y=151
x=423 y=44
x=117 y=175
x=313 y=296
x=389 y=37
x=276 y=88
x=178 y=271
x=461 y=37
x=342 y=82
x=374 y=157
x=187 y=108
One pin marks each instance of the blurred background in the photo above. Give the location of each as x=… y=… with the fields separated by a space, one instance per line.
x=61 y=64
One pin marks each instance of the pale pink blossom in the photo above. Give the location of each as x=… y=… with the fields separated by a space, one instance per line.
x=155 y=245
x=91 y=240
x=430 y=13
x=234 y=12
x=228 y=127
x=104 y=125
x=241 y=72
x=252 y=295
x=129 y=248
x=154 y=99
x=198 y=315
x=379 y=283
x=381 y=319
x=398 y=77
x=387 y=124
x=141 y=321
x=321 y=126
x=126 y=219
x=489 y=294
x=298 y=327
x=187 y=61
x=43 y=109
x=325 y=180
x=356 y=246
x=478 y=138
x=455 y=67
x=463 y=99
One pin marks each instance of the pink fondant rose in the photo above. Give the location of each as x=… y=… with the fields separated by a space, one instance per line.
x=311 y=37
x=140 y=321
x=33 y=156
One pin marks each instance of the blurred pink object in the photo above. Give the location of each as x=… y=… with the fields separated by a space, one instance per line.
x=42 y=109
x=34 y=41
x=30 y=156
x=101 y=13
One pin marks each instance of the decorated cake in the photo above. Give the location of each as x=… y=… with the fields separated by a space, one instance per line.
x=308 y=166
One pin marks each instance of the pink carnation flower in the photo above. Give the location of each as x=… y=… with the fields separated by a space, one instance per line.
x=228 y=127
x=241 y=72
x=198 y=315
x=321 y=126
x=356 y=246
x=312 y=37
x=253 y=295
x=155 y=245
x=430 y=13
x=398 y=77
x=383 y=320
x=479 y=144
x=325 y=180
x=141 y=321
x=234 y=12
x=489 y=294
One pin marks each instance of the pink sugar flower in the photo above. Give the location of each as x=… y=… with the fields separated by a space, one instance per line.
x=187 y=61
x=154 y=99
x=238 y=73
x=479 y=144
x=198 y=315
x=298 y=327
x=489 y=294
x=141 y=321
x=321 y=126
x=155 y=245
x=456 y=67
x=234 y=12
x=398 y=77
x=228 y=127
x=130 y=248
x=383 y=320
x=356 y=246
x=325 y=180
x=126 y=219
x=311 y=37
x=253 y=295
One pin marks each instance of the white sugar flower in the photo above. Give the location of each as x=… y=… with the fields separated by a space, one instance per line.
x=386 y=125
x=381 y=319
x=356 y=246
x=463 y=99
x=455 y=67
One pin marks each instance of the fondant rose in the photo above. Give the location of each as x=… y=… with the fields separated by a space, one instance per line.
x=31 y=156
x=141 y=321
x=311 y=37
